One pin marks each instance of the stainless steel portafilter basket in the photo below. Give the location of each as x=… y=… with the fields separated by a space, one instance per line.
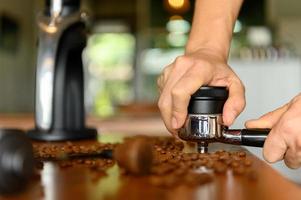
x=204 y=122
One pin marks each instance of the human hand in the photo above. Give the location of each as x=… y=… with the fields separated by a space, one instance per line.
x=284 y=139
x=189 y=72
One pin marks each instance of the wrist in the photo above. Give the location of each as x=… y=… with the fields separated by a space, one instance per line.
x=212 y=27
x=209 y=50
x=215 y=49
x=212 y=38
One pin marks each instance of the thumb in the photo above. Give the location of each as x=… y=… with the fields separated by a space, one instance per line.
x=235 y=102
x=268 y=120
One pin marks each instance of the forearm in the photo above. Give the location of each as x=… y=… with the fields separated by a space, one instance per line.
x=212 y=26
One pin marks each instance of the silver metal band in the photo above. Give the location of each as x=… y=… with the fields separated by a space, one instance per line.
x=231 y=137
x=202 y=127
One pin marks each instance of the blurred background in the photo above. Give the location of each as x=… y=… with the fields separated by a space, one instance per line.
x=131 y=41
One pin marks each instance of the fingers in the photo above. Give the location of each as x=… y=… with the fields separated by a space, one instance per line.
x=284 y=140
x=188 y=73
x=184 y=88
x=164 y=105
x=274 y=147
x=268 y=120
x=235 y=102
x=292 y=158
x=162 y=79
x=291 y=129
x=166 y=81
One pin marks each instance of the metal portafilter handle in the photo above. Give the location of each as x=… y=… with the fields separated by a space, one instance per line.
x=204 y=123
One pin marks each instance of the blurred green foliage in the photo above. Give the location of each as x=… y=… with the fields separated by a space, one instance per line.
x=110 y=58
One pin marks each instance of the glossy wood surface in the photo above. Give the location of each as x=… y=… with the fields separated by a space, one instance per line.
x=80 y=182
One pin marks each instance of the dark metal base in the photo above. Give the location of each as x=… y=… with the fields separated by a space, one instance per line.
x=62 y=135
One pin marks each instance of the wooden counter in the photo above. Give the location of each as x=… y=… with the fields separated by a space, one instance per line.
x=74 y=182
x=130 y=125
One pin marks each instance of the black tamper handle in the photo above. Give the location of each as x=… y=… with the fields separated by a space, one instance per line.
x=254 y=137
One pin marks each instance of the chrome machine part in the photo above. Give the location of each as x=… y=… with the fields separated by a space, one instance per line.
x=50 y=30
x=231 y=136
x=204 y=122
x=202 y=129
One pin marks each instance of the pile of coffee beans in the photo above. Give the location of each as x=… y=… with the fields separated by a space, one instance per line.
x=170 y=166
x=65 y=155
x=57 y=151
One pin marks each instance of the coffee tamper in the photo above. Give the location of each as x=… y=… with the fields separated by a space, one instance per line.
x=204 y=123
x=16 y=161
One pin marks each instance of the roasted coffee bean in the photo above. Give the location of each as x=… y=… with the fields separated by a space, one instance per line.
x=174 y=161
x=219 y=152
x=235 y=164
x=163 y=152
x=242 y=154
x=194 y=156
x=228 y=161
x=236 y=158
x=186 y=157
x=202 y=162
x=203 y=155
x=214 y=156
x=190 y=163
x=209 y=164
x=224 y=156
x=69 y=143
x=159 y=149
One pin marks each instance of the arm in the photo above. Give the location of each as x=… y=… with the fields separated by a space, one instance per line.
x=213 y=25
x=204 y=63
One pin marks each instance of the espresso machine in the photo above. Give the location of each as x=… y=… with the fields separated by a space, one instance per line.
x=59 y=89
x=204 y=123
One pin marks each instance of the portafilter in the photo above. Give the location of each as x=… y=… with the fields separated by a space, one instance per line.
x=204 y=123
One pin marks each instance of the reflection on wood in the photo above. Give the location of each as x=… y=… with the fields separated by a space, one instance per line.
x=81 y=181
